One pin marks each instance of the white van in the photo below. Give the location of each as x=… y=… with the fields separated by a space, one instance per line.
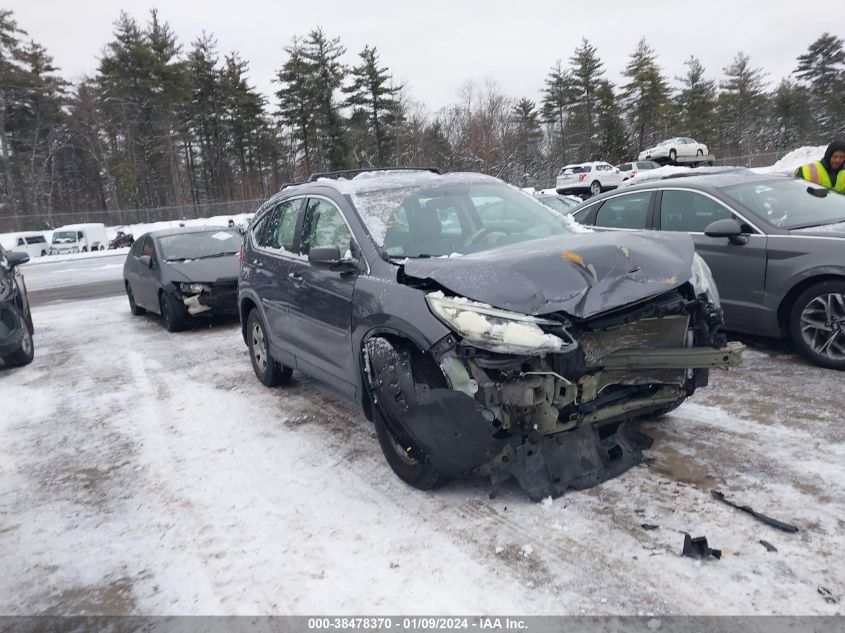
x=34 y=244
x=79 y=238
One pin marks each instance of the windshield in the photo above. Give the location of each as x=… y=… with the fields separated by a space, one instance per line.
x=786 y=203
x=560 y=204
x=64 y=236
x=200 y=245
x=441 y=218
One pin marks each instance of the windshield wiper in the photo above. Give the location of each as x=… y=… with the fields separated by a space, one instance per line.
x=813 y=225
x=217 y=255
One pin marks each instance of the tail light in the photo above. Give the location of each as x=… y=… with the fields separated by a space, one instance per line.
x=581 y=177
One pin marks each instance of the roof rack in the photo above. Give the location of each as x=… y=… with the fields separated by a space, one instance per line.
x=354 y=172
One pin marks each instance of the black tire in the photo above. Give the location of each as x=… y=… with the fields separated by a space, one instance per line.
x=26 y=352
x=173 y=315
x=268 y=371
x=84 y=249
x=133 y=307
x=43 y=253
x=561 y=191
x=409 y=462
x=817 y=324
x=700 y=153
x=417 y=473
x=595 y=188
x=673 y=155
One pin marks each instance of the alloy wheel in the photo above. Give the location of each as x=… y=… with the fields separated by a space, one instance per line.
x=823 y=325
x=259 y=347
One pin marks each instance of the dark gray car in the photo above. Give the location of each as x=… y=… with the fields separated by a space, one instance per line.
x=475 y=327
x=776 y=247
x=16 y=329
x=183 y=273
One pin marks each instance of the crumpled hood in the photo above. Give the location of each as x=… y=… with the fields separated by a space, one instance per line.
x=582 y=274
x=214 y=269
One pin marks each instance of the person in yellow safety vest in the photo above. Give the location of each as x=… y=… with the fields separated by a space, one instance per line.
x=829 y=171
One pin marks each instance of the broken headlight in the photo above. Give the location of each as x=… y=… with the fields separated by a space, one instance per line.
x=702 y=281
x=190 y=288
x=498 y=330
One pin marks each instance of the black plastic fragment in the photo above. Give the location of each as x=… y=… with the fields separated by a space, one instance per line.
x=648 y=526
x=780 y=525
x=697 y=548
x=825 y=593
x=769 y=547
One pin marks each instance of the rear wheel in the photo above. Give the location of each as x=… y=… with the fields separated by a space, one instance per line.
x=673 y=155
x=595 y=188
x=269 y=372
x=817 y=324
x=173 y=315
x=26 y=352
x=133 y=307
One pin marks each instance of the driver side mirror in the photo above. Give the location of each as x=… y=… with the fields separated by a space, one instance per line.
x=727 y=227
x=329 y=257
x=16 y=258
x=146 y=260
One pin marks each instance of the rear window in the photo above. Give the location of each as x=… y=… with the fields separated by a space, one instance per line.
x=38 y=239
x=578 y=169
x=646 y=165
x=626 y=167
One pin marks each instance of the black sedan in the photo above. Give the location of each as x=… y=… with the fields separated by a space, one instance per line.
x=16 y=347
x=183 y=273
x=776 y=247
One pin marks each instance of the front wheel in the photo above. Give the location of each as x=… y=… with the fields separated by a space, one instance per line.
x=673 y=155
x=269 y=372
x=418 y=473
x=26 y=352
x=595 y=188
x=817 y=324
x=173 y=315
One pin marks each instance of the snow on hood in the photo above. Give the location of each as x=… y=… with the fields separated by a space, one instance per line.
x=655 y=174
x=209 y=270
x=793 y=160
x=582 y=275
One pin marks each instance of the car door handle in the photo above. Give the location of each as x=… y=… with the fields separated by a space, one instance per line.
x=257 y=263
x=295 y=277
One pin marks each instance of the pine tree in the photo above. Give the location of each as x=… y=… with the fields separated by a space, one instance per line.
x=525 y=138
x=326 y=75
x=298 y=103
x=741 y=104
x=587 y=70
x=612 y=141
x=645 y=96
x=822 y=69
x=792 y=122
x=559 y=94
x=375 y=107
x=695 y=104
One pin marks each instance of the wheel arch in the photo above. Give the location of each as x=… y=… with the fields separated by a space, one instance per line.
x=245 y=306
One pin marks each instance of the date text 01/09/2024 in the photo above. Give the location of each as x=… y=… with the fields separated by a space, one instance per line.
x=422 y=623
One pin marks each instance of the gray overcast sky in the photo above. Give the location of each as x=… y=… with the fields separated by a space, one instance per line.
x=436 y=46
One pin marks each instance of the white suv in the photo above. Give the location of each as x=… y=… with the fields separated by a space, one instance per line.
x=588 y=178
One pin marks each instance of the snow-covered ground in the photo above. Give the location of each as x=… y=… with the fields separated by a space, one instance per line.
x=147 y=472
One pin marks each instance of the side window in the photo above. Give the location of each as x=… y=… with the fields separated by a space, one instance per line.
x=20 y=241
x=278 y=229
x=147 y=248
x=324 y=226
x=689 y=211
x=625 y=212
x=79 y=235
x=135 y=251
x=582 y=215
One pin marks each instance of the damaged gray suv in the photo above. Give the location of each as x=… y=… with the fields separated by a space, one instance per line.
x=481 y=332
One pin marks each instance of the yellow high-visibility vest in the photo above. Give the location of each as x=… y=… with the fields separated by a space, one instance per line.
x=816 y=172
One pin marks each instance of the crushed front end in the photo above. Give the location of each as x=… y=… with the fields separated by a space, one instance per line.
x=548 y=401
x=208 y=299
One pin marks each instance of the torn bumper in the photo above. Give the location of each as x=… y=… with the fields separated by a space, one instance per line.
x=551 y=421
x=214 y=299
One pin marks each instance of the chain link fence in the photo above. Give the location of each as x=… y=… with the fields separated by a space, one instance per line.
x=120 y=217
